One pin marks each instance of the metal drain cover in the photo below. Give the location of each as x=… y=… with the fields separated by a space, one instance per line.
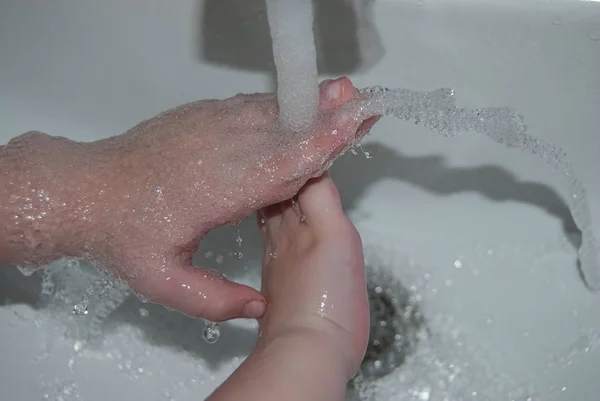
x=396 y=324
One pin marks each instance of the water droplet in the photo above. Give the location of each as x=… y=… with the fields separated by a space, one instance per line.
x=238 y=255
x=77 y=346
x=239 y=239
x=423 y=395
x=594 y=34
x=458 y=264
x=219 y=259
x=298 y=211
x=144 y=312
x=557 y=20
x=354 y=151
x=365 y=153
x=208 y=254
x=211 y=332
x=81 y=308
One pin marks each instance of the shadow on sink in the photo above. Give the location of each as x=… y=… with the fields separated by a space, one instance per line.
x=235 y=33
x=158 y=326
x=353 y=174
x=166 y=328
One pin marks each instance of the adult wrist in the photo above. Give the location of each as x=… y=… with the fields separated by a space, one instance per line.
x=52 y=198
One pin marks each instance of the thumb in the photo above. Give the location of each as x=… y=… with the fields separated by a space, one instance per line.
x=201 y=293
x=339 y=127
x=334 y=93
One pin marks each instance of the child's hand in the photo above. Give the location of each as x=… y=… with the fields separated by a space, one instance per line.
x=314 y=273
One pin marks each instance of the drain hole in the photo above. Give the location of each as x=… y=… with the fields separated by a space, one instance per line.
x=397 y=325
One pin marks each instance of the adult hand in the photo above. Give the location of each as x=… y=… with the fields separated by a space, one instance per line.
x=140 y=203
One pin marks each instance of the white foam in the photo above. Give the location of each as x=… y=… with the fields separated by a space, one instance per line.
x=291 y=24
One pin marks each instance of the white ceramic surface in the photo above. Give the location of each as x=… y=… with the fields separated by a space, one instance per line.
x=514 y=315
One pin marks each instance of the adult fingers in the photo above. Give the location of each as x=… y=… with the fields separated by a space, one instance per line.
x=201 y=293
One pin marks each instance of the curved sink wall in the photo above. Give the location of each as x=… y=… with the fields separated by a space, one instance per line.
x=480 y=233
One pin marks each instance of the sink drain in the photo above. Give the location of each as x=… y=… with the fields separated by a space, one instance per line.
x=397 y=324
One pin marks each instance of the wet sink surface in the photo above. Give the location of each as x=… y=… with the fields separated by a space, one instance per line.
x=479 y=235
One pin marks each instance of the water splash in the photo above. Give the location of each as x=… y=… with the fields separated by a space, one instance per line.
x=100 y=287
x=437 y=111
x=73 y=288
x=61 y=391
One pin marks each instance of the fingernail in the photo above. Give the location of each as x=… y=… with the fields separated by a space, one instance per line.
x=254 y=309
x=334 y=90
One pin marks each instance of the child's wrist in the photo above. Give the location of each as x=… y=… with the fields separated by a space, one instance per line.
x=302 y=339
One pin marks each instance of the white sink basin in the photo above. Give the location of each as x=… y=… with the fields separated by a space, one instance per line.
x=481 y=234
